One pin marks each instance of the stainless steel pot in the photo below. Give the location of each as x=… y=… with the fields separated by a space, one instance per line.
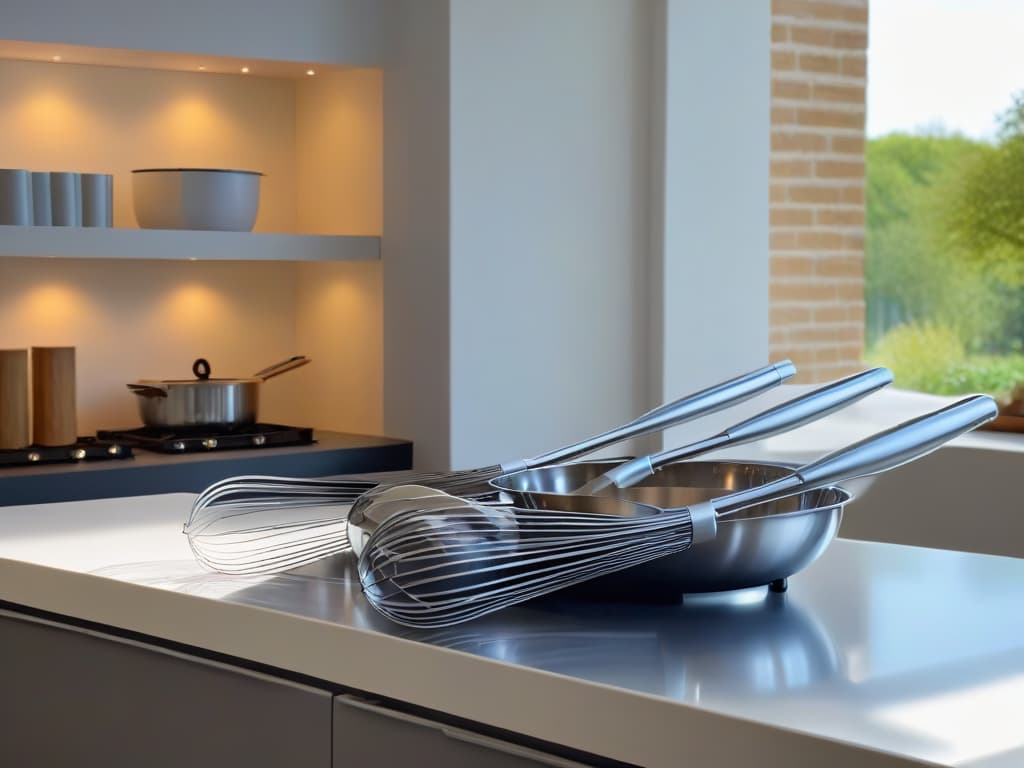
x=205 y=401
x=761 y=545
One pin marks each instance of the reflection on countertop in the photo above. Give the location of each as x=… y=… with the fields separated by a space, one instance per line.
x=873 y=642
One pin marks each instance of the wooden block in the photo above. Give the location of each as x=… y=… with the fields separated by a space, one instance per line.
x=14 y=399
x=54 y=419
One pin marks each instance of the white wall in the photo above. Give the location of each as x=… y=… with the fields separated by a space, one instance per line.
x=713 y=314
x=608 y=242
x=150 y=319
x=338 y=305
x=549 y=143
x=338 y=31
x=70 y=117
x=415 y=237
x=338 y=308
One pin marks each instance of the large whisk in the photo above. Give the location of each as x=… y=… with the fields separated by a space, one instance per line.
x=434 y=564
x=260 y=524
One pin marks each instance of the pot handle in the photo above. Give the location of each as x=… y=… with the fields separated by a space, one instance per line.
x=283 y=367
x=201 y=369
x=147 y=390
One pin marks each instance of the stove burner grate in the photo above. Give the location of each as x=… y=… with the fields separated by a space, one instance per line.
x=196 y=439
x=85 y=449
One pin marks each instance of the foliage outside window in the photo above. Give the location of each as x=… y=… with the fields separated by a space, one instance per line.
x=945 y=258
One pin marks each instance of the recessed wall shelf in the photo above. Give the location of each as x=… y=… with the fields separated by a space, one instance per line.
x=113 y=243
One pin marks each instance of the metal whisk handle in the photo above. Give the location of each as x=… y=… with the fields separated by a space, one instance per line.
x=882 y=451
x=790 y=415
x=702 y=403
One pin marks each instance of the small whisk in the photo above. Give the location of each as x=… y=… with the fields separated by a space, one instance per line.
x=434 y=567
x=260 y=524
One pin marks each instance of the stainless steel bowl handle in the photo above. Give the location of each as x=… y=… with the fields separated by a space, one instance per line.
x=885 y=450
x=790 y=415
x=704 y=402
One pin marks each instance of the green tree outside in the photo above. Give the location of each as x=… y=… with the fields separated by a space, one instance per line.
x=944 y=271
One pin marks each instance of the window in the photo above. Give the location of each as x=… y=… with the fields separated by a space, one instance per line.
x=944 y=266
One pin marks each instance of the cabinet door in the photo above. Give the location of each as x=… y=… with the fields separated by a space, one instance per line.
x=368 y=735
x=75 y=697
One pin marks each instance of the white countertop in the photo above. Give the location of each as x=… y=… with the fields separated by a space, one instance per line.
x=878 y=655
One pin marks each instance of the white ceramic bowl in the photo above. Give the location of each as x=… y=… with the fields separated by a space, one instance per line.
x=196 y=198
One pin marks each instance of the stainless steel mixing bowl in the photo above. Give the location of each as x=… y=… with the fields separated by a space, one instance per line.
x=761 y=545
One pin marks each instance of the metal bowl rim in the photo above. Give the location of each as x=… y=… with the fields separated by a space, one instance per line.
x=845 y=497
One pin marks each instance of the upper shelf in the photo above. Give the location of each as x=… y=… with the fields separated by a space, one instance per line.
x=63 y=53
x=112 y=243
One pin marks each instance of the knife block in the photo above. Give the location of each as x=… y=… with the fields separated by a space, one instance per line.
x=54 y=418
x=14 y=399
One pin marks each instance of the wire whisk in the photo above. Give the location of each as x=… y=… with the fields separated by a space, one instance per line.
x=259 y=524
x=426 y=565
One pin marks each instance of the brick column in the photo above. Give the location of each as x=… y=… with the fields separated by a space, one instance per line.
x=817 y=185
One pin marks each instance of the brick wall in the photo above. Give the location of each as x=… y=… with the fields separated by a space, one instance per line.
x=817 y=185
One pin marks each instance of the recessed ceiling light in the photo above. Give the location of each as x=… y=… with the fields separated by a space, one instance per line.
x=56 y=58
x=245 y=70
x=310 y=72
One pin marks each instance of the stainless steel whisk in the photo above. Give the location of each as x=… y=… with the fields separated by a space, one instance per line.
x=260 y=524
x=431 y=565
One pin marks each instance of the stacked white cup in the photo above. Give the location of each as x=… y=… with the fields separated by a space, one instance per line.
x=61 y=199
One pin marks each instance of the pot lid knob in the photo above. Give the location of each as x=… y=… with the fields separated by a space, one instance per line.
x=201 y=369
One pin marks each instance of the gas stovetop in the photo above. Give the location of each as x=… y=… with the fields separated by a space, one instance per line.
x=85 y=449
x=198 y=439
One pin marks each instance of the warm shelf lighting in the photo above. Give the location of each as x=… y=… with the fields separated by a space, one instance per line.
x=245 y=70
x=310 y=72
x=56 y=58
x=202 y=68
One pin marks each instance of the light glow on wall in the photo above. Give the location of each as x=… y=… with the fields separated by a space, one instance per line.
x=49 y=309
x=51 y=117
x=190 y=309
x=190 y=121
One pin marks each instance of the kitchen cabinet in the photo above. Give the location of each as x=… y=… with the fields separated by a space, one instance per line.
x=73 y=695
x=79 y=697
x=315 y=138
x=367 y=734
x=307 y=280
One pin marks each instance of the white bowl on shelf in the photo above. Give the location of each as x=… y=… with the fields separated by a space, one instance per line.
x=196 y=198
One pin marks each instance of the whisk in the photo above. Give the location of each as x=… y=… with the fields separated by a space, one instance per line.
x=789 y=415
x=257 y=524
x=433 y=566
